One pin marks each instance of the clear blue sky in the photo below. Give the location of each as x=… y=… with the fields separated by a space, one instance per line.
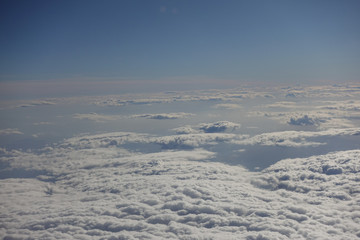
x=270 y=40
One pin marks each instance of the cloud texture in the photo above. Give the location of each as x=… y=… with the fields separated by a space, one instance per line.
x=118 y=177
x=90 y=187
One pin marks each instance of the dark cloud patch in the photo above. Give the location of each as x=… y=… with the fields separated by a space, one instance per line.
x=220 y=126
x=303 y=121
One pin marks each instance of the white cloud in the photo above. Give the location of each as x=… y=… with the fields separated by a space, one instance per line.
x=215 y=127
x=185 y=130
x=192 y=140
x=162 y=116
x=159 y=116
x=104 y=192
x=10 y=131
x=321 y=119
x=294 y=138
x=229 y=95
x=283 y=104
x=36 y=103
x=126 y=185
x=96 y=117
x=103 y=140
x=349 y=105
x=228 y=106
x=220 y=126
x=304 y=120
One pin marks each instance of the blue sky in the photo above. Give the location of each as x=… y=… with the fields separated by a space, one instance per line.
x=242 y=41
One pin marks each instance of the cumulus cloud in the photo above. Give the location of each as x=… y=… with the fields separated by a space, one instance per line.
x=127 y=185
x=294 y=138
x=103 y=192
x=304 y=120
x=220 y=126
x=10 y=131
x=215 y=127
x=320 y=119
x=185 y=130
x=349 y=105
x=192 y=140
x=162 y=116
x=227 y=95
x=103 y=140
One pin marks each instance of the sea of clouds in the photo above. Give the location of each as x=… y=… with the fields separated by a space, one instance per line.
x=177 y=184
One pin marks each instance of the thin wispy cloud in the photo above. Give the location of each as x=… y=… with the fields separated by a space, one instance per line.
x=10 y=131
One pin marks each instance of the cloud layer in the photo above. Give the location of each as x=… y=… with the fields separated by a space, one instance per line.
x=173 y=168
x=91 y=187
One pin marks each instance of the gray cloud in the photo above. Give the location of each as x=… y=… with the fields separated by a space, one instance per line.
x=304 y=120
x=220 y=126
x=185 y=130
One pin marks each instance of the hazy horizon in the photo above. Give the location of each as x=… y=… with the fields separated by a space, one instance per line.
x=172 y=119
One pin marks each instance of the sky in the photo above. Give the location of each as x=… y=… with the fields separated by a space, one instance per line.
x=177 y=42
x=179 y=119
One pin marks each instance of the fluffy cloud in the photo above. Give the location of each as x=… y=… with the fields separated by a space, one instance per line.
x=184 y=130
x=229 y=95
x=322 y=114
x=103 y=140
x=127 y=185
x=162 y=116
x=215 y=127
x=349 y=109
x=304 y=120
x=220 y=126
x=104 y=192
x=192 y=140
x=294 y=138
x=321 y=119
